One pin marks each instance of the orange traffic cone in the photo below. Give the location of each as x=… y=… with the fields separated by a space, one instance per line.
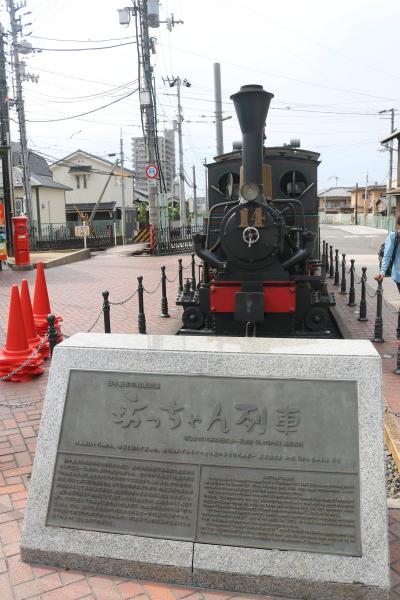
x=34 y=339
x=41 y=303
x=17 y=351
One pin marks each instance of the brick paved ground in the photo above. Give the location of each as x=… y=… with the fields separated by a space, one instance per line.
x=75 y=293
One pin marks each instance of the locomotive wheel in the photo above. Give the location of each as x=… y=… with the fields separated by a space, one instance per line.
x=316 y=319
x=193 y=318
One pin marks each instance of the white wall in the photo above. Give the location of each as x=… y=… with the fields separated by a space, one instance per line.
x=51 y=205
x=95 y=183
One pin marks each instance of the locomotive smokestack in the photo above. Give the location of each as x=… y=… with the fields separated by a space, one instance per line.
x=251 y=105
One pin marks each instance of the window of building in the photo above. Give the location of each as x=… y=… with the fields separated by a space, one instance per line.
x=85 y=182
x=78 y=181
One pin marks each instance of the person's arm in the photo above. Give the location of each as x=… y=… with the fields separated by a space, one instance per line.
x=389 y=245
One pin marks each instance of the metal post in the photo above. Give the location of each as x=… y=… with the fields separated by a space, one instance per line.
x=352 y=290
x=331 y=269
x=194 y=196
x=15 y=29
x=363 y=301
x=164 y=300
x=123 y=212
x=378 y=332
x=218 y=108
x=343 y=281
x=337 y=275
x=52 y=333
x=180 y=275
x=106 y=311
x=327 y=258
x=193 y=264
x=323 y=257
x=8 y=188
x=141 y=315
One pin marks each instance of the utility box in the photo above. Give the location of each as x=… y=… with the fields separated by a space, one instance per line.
x=153 y=13
x=21 y=241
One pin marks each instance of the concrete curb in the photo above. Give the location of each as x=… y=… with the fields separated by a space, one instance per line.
x=392 y=436
x=66 y=259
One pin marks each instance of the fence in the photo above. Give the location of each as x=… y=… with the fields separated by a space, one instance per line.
x=171 y=240
x=378 y=221
x=61 y=236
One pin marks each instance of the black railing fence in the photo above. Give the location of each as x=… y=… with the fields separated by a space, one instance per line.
x=60 y=237
x=171 y=240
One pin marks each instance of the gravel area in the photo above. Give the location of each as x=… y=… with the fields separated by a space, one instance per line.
x=392 y=477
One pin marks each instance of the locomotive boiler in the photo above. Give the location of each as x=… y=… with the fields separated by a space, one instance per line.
x=261 y=272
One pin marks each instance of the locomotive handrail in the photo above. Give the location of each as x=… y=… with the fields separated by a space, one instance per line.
x=229 y=202
x=295 y=201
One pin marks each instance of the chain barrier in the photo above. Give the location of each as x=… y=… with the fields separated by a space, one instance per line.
x=24 y=364
x=174 y=279
x=389 y=411
x=120 y=303
x=155 y=289
x=95 y=322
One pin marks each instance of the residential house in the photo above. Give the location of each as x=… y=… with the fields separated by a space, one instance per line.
x=376 y=199
x=89 y=177
x=48 y=196
x=335 y=200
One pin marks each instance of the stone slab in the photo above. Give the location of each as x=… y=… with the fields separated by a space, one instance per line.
x=300 y=574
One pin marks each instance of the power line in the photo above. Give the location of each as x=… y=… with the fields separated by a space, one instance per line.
x=38 y=37
x=285 y=77
x=82 y=49
x=84 y=113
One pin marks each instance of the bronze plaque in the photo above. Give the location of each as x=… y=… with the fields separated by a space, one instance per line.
x=265 y=463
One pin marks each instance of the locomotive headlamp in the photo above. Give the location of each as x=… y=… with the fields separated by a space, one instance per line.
x=249 y=191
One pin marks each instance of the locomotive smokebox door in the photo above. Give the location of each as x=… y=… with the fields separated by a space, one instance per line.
x=249 y=306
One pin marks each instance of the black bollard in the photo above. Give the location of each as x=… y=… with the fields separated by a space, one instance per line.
x=52 y=333
x=363 y=301
x=193 y=273
x=352 y=290
x=323 y=261
x=343 y=281
x=164 y=300
x=397 y=369
x=180 y=275
x=337 y=275
x=378 y=332
x=200 y=266
x=331 y=269
x=327 y=258
x=141 y=315
x=106 y=311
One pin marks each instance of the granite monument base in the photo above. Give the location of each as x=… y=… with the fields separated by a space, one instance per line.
x=251 y=465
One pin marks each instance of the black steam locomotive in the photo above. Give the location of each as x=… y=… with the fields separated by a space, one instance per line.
x=261 y=271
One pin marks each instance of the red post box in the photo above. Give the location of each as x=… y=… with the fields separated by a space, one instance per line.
x=21 y=241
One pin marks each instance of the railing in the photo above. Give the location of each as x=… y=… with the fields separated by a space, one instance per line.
x=62 y=237
x=175 y=239
x=377 y=221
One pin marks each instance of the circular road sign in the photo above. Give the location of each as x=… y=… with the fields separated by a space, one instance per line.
x=151 y=171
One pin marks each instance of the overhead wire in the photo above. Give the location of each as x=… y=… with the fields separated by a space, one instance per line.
x=84 y=113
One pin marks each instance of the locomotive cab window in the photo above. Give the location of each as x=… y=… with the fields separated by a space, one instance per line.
x=228 y=184
x=293 y=183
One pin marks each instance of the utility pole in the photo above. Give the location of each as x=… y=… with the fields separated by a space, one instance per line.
x=218 y=108
x=6 y=161
x=178 y=82
x=194 y=195
x=17 y=67
x=366 y=196
x=390 y=173
x=148 y=13
x=123 y=216
x=356 y=208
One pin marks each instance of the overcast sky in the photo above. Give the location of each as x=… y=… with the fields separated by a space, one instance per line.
x=332 y=66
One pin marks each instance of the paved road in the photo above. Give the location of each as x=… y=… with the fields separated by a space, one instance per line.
x=362 y=244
